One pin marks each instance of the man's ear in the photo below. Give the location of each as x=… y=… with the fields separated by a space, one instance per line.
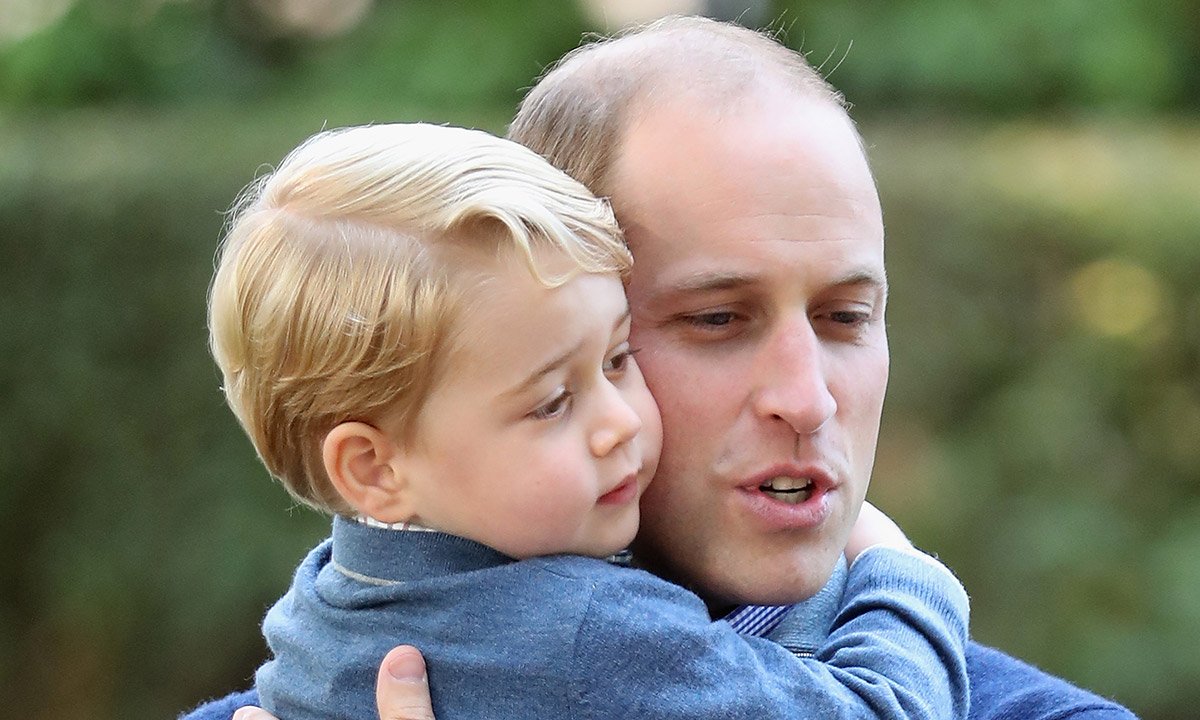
x=366 y=467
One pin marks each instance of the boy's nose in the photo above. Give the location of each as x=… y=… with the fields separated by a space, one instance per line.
x=617 y=422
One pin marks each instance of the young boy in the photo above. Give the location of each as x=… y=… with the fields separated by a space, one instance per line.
x=423 y=331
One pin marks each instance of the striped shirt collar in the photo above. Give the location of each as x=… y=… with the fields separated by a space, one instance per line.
x=756 y=620
x=810 y=621
x=372 y=522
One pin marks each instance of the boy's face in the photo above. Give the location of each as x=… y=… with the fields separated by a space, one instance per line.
x=541 y=436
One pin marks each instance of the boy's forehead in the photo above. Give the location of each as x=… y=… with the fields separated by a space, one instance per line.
x=498 y=291
x=510 y=331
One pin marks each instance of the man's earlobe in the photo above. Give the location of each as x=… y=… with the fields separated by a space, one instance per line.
x=363 y=464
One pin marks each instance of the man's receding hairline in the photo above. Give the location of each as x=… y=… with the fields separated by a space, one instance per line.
x=685 y=101
x=698 y=62
x=581 y=111
x=700 y=65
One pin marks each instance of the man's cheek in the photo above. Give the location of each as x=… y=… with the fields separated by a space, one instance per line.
x=662 y=373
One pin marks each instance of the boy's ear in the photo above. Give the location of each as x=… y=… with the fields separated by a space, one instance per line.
x=366 y=467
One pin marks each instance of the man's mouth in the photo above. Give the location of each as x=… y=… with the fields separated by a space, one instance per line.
x=790 y=490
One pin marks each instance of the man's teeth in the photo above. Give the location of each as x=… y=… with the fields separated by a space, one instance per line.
x=788 y=489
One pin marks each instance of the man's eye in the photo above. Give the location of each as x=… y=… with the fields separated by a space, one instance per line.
x=554 y=407
x=712 y=319
x=849 y=317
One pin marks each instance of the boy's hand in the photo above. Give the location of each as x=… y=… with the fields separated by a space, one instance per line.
x=874 y=528
x=401 y=689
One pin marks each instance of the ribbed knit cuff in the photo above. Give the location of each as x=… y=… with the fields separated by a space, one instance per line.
x=911 y=572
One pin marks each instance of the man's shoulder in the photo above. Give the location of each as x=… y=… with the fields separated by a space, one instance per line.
x=1005 y=688
x=222 y=708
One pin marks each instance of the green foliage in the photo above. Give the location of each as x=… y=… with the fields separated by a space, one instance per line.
x=429 y=52
x=425 y=52
x=1045 y=403
x=127 y=476
x=1003 y=58
x=103 y=52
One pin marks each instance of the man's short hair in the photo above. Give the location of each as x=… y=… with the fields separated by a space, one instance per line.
x=343 y=272
x=577 y=113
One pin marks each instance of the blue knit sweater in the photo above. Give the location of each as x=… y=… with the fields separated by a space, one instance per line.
x=565 y=636
x=1002 y=688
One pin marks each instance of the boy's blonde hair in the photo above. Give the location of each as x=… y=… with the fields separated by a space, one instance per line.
x=336 y=290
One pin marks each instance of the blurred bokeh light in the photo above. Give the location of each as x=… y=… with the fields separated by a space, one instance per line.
x=21 y=18
x=1117 y=298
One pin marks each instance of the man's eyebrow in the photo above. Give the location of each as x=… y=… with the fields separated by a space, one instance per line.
x=863 y=277
x=557 y=362
x=710 y=281
x=716 y=281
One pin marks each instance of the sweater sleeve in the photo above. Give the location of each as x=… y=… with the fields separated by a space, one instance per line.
x=1005 y=688
x=902 y=634
x=647 y=650
x=222 y=708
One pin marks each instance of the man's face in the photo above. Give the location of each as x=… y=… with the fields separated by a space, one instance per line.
x=758 y=297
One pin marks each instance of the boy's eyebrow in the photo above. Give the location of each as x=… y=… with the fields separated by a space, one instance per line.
x=558 y=361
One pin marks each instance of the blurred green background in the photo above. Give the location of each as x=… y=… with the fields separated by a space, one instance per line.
x=1039 y=162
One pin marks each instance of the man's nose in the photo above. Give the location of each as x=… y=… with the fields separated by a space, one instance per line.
x=616 y=421
x=792 y=384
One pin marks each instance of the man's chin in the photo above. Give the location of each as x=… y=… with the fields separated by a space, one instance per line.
x=786 y=581
x=765 y=587
x=762 y=579
x=780 y=592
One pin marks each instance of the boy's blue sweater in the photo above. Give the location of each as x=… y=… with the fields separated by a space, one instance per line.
x=1002 y=688
x=567 y=636
x=669 y=644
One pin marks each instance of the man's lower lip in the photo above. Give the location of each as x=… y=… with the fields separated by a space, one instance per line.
x=780 y=515
x=623 y=493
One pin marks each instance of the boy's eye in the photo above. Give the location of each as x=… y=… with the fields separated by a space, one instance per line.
x=553 y=407
x=618 y=361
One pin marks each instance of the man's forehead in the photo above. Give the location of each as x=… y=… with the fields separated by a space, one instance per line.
x=709 y=104
x=681 y=137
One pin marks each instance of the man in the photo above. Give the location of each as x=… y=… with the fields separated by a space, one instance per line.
x=758 y=296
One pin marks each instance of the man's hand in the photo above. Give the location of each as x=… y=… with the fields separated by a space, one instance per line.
x=401 y=689
x=874 y=528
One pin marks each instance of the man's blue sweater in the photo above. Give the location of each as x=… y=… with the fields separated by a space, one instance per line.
x=567 y=636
